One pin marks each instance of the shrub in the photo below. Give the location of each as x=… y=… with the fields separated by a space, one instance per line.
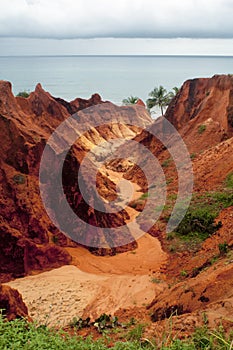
x=229 y=180
x=24 y=94
x=223 y=248
x=201 y=128
x=166 y=163
x=19 y=179
x=198 y=223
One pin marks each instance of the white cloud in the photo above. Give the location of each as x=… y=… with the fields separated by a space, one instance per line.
x=116 y=18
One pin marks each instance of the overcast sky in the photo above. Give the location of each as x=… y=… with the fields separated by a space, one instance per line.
x=116 y=27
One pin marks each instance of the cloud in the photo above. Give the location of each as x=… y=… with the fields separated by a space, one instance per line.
x=121 y=19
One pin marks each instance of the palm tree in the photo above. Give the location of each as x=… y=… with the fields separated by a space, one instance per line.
x=130 y=100
x=159 y=97
x=176 y=90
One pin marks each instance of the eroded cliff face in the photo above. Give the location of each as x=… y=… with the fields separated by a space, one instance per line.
x=11 y=303
x=202 y=113
x=29 y=240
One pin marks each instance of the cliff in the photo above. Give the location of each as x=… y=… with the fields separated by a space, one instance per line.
x=29 y=239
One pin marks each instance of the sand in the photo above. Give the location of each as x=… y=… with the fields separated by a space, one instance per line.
x=57 y=296
x=94 y=285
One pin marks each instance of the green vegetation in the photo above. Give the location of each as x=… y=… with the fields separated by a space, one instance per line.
x=144 y=196
x=199 y=221
x=19 y=179
x=159 y=97
x=229 y=180
x=19 y=334
x=131 y=100
x=193 y=156
x=223 y=248
x=183 y=273
x=201 y=128
x=166 y=163
x=55 y=239
x=155 y=280
x=24 y=94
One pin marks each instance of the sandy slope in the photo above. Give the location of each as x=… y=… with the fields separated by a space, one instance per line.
x=94 y=284
x=67 y=292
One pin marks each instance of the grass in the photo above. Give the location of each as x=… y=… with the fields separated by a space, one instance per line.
x=199 y=221
x=229 y=180
x=19 y=334
x=144 y=196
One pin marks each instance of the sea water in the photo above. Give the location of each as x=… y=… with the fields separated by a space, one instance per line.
x=113 y=77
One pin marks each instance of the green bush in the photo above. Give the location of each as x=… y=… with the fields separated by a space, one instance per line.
x=201 y=128
x=19 y=179
x=24 y=94
x=198 y=223
x=229 y=180
x=223 y=248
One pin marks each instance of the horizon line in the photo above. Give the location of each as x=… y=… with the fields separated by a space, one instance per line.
x=121 y=55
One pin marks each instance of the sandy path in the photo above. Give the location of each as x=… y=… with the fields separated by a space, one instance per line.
x=148 y=257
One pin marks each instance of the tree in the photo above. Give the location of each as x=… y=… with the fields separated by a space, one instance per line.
x=24 y=94
x=130 y=100
x=159 y=97
x=176 y=90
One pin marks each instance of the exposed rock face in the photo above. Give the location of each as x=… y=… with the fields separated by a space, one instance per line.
x=29 y=240
x=199 y=292
x=202 y=114
x=203 y=99
x=11 y=303
x=203 y=105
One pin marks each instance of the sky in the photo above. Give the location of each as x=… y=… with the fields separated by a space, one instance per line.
x=34 y=27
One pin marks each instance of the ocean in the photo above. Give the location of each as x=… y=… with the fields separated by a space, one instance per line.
x=113 y=77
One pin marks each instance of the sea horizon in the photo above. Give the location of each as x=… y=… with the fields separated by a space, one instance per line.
x=114 y=77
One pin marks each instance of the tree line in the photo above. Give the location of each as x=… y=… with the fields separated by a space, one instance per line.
x=159 y=96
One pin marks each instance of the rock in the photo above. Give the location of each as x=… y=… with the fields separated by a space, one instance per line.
x=140 y=103
x=29 y=240
x=11 y=303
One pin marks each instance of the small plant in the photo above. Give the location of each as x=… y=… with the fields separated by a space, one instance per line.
x=55 y=239
x=80 y=323
x=170 y=236
x=223 y=248
x=24 y=94
x=229 y=180
x=201 y=128
x=166 y=163
x=172 y=248
x=213 y=260
x=19 y=179
x=169 y=180
x=144 y=196
x=155 y=280
x=136 y=333
x=193 y=156
x=183 y=273
x=106 y=321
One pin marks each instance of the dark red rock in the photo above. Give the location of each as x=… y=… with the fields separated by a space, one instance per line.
x=11 y=303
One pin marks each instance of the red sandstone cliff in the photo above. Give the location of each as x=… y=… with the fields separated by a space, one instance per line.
x=29 y=240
